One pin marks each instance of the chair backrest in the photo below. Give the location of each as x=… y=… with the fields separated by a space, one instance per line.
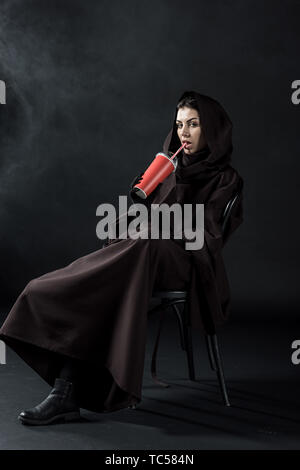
x=228 y=210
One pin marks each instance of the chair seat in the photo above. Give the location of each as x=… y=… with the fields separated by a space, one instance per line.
x=170 y=294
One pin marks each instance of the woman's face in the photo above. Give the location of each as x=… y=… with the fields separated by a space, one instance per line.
x=189 y=130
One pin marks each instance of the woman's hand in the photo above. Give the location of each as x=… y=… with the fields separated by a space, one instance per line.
x=136 y=180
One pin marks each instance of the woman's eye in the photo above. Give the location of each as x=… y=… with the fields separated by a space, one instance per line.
x=193 y=124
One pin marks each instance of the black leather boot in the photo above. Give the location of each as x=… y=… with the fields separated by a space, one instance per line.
x=59 y=405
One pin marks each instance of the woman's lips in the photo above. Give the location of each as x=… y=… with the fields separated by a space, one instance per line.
x=187 y=145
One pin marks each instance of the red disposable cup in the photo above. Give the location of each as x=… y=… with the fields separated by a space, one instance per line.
x=161 y=167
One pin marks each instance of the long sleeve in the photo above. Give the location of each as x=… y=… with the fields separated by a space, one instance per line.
x=136 y=200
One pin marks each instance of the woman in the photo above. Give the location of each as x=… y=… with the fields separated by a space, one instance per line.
x=83 y=328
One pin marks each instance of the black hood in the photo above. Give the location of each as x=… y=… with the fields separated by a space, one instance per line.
x=217 y=130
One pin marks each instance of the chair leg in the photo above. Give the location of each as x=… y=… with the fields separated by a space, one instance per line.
x=188 y=343
x=220 y=372
x=181 y=328
x=189 y=352
x=163 y=307
x=210 y=352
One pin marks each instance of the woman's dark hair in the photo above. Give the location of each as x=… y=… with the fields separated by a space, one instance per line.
x=188 y=101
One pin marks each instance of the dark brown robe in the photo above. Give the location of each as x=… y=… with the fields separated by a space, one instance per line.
x=95 y=308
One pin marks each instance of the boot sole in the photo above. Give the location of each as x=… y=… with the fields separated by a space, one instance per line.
x=66 y=417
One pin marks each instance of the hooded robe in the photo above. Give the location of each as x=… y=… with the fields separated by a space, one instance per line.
x=207 y=177
x=95 y=309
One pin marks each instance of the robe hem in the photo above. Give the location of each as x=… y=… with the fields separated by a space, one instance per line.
x=133 y=399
